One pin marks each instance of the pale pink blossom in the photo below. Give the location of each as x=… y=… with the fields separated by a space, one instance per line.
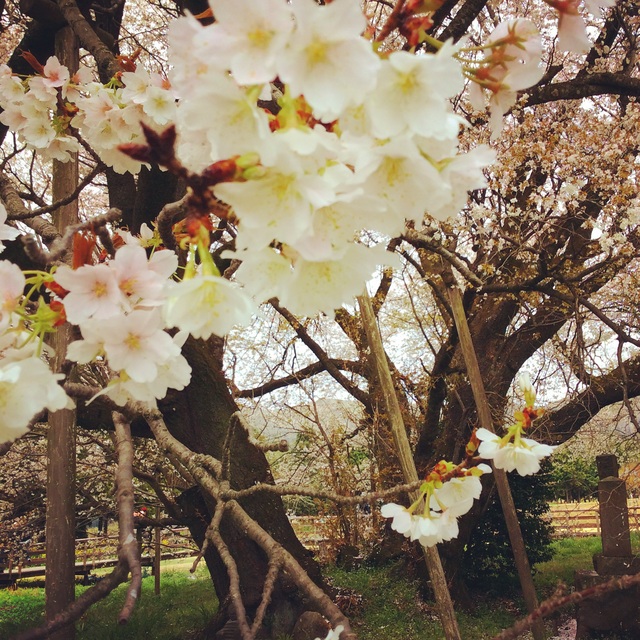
x=140 y=281
x=93 y=292
x=55 y=74
x=137 y=344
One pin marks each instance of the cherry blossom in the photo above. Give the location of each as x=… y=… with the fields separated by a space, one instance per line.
x=137 y=344
x=55 y=74
x=27 y=387
x=402 y=520
x=314 y=64
x=511 y=64
x=411 y=93
x=12 y=283
x=251 y=37
x=523 y=455
x=93 y=292
x=206 y=305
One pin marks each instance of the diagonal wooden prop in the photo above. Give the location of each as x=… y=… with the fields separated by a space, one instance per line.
x=405 y=455
x=504 y=492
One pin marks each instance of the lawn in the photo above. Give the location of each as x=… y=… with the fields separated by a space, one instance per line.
x=185 y=604
x=389 y=606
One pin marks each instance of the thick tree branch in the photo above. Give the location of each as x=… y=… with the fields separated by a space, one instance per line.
x=593 y=84
x=107 y=64
x=559 y=425
x=303 y=374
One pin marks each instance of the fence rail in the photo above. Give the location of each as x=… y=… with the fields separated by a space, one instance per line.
x=101 y=551
x=570 y=519
x=583 y=518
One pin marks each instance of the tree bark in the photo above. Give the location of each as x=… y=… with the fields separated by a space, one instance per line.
x=199 y=417
x=61 y=470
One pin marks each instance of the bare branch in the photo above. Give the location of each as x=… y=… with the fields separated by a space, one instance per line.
x=213 y=534
x=78 y=608
x=556 y=602
x=421 y=241
x=128 y=551
x=275 y=563
x=299 y=490
x=302 y=374
x=26 y=214
x=107 y=64
x=321 y=354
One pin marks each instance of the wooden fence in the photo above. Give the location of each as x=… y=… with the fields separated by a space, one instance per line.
x=575 y=519
x=568 y=519
x=98 y=552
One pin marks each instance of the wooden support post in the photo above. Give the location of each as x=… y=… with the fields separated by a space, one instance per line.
x=403 y=449
x=158 y=554
x=61 y=471
x=504 y=492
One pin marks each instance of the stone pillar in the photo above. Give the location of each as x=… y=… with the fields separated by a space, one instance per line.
x=614 y=517
x=616 y=612
x=616 y=557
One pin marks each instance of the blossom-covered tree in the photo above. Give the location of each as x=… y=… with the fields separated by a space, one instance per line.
x=283 y=154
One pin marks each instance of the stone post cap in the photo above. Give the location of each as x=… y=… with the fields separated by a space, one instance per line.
x=607 y=466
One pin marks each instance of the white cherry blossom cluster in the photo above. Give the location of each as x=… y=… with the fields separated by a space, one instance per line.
x=449 y=491
x=118 y=306
x=364 y=145
x=27 y=384
x=433 y=517
x=45 y=109
x=514 y=452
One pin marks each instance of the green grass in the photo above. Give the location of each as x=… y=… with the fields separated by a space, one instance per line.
x=569 y=554
x=391 y=607
x=184 y=606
